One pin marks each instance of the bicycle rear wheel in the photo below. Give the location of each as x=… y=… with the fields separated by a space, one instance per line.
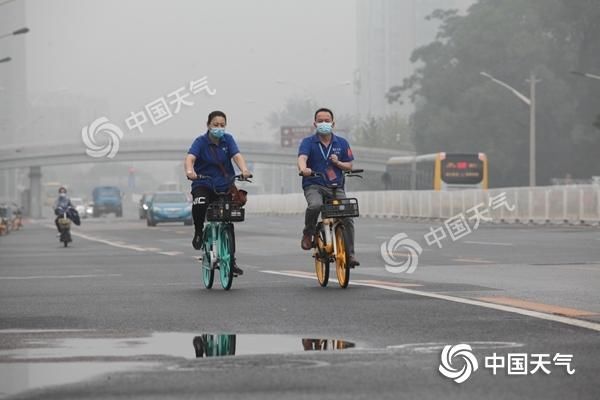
x=321 y=266
x=341 y=257
x=225 y=258
x=208 y=273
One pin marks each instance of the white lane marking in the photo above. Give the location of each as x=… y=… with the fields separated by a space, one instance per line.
x=109 y=242
x=488 y=243
x=104 y=241
x=535 y=314
x=123 y=245
x=14 y=278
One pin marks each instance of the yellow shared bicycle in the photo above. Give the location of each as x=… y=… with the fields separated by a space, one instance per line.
x=330 y=242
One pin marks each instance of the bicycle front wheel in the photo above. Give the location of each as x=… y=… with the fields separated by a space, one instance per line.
x=341 y=257
x=226 y=258
x=208 y=273
x=321 y=266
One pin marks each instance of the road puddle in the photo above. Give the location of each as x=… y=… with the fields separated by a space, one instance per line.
x=31 y=360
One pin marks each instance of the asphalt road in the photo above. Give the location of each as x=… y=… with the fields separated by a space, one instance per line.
x=115 y=314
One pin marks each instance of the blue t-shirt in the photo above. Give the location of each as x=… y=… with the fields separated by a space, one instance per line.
x=209 y=156
x=318 y=159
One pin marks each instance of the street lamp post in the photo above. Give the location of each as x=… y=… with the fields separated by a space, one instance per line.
x=530 y=101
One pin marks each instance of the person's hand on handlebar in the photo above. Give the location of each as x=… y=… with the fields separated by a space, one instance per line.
x=191 y=175
x=306 y=172
x=246 y=174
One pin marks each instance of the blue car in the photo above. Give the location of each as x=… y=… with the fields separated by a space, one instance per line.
x=169 y=207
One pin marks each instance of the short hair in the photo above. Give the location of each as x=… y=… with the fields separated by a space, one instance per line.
x=323 y=109
x=215 y=114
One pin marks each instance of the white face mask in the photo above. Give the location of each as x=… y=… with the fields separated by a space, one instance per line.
x=62 y=194
x=324 y=128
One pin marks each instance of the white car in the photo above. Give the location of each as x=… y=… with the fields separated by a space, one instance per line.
x=89 y=209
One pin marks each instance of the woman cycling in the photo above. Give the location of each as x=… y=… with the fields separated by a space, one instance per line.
x=210 y=157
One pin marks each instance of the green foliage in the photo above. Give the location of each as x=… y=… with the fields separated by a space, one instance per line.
x=459 y=110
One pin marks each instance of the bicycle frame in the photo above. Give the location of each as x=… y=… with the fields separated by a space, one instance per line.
x=329 y=241
x=215 y=229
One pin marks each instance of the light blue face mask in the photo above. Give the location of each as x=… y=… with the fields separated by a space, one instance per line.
x=324 y=128
x=217 y=133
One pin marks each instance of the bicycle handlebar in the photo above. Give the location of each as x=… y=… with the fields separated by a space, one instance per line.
x=239 y=177
x=351 y=172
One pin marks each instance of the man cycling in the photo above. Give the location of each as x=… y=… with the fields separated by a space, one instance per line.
x=210 y=157
x=330 y=155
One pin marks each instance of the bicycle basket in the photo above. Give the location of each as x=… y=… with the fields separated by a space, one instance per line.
x=225 y=212
x=64 y=221
x=340 y=208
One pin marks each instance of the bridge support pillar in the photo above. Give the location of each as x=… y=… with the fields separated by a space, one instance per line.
x=35 y=192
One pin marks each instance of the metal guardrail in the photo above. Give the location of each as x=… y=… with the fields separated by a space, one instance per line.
x=574 y=204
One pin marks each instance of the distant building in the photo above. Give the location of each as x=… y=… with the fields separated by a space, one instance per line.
x=387 y=33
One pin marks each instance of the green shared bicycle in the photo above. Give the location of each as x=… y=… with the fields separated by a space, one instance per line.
x=218 y=240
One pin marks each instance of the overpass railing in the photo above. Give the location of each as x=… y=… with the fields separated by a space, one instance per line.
x=574 y=204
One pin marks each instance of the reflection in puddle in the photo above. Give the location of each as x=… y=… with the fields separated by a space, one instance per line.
x=43 y=359
x=325 y=344
x=214 y=345
x=211 y=345
x=165 y=344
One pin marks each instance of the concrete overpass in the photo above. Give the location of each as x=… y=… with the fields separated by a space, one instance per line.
x=37 y=156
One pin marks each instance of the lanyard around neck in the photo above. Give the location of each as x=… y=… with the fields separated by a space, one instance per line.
x=325 y=156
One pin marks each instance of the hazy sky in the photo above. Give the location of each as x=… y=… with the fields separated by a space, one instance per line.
x=255 y=54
